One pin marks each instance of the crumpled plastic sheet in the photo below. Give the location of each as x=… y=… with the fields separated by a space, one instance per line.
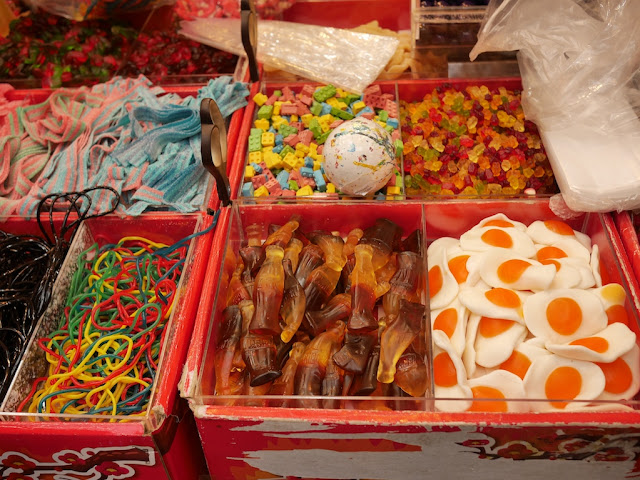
x=580 y=67
x=346 y=59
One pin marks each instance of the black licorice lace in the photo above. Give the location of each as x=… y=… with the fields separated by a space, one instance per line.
x=29 y=266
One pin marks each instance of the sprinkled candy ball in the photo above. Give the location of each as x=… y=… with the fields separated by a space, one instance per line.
x=359 y=157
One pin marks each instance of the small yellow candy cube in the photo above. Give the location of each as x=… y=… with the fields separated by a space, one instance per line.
x=294 y=118
x=276 y=107
x=394 y=190
x=268 y=139
x=331 y=188
x=304 y=191
x=302 y=147
x=342 y=105
x=320 y=158
x=262 y=123
x=255 y=157
x=306 y=119
x=317 y=165
x=261 y=192
x=290 y=161
x=333 y=101
x=260 y=98
x=358 y=106
x=249 y=173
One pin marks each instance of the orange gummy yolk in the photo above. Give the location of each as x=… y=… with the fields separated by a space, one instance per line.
x=617 y=376
x=492 y=327
x=597 y=344
x=458 y=267
x=558 y=227
x=486 y=406
x=563 y=383
x=564 y=315
x=446 y=321
x=435 y=281
x=617 y=314
x=547 y=253
x=497 y=238
x=503 y=297
x=498 y=223
x=511 y=270
x=517 y=363
x=444 y=371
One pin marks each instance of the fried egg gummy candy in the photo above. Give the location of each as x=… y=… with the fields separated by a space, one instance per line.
x=522 y=322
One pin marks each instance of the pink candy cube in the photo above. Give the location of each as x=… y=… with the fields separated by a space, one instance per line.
x=305 y=136
x=292 y=140
x=288 y=109
x=272 y=185
x=336 y=124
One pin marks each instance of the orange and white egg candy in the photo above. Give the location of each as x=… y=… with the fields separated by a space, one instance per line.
x=443 y=287
x=500 y=268
x=502 y=221
x=571 y=260
x=622 y=376
x=562 y=380
x=613 y=298
x=496 y=339
x=563 y=315
x=463 y=265
x=549 y=232
x=494 y=302
x=481 y=239
x=469 y=353
x=523 y=356
x=492 y=391
x=605 y=346
x=449 y=376
x=452 y=320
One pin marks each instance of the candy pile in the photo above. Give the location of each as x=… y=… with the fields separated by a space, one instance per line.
x=521 y=312
x=474 y=141
x=285 y=147
x=302 y=316
x=56 y=51
x=266 y=9
x=103 y=358
x=125 y=134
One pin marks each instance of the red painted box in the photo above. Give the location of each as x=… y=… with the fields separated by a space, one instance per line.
x=244 y=437
x=163 y=443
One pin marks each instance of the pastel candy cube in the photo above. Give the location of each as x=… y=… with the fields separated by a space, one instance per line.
x=283 y=179
x=268 y=139
x=304 y=191
x=262 y=123
x=258 y=181
x=255 y=157
x=249 y=172
x=272 y=185
x=265 y=111
x=247 y=189
x=261 y=192
x=260 y=98
x=256 y=167
x=306 y=172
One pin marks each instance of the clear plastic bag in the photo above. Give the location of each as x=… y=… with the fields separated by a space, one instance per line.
x=346 y=59
x=580 y=67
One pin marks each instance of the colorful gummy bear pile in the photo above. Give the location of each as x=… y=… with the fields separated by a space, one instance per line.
x=285 y=147
x=474 y=141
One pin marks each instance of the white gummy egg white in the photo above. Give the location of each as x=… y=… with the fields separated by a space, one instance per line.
x=605 y=346
x=496 y=339
x=613 y=298
x=549 y=232
x=449 y=376
x=495 y=387
x=441 y=245
x=552 y=377
x=443 y=286
x=595 y=265
x=572 y=272
x=463 y=266
x=494 y=302
x=622 y=376
x=481 y=239
x=564 y=315
x=502 y=221
x=452 y=320
x=469 y=354
x=479 y=371
x=523 y=356
x=500 y=268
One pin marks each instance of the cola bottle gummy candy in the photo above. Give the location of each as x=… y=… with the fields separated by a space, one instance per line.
x=382 y=236
x=323 y=280
x=253 y=258
x=236 y=292
x=267 y=297
x=411 y=373
x=332 y=382
x=367 y=383
x=282 y=236
x=293 y=303
x=363 y=285
x=313 y=364
x=338 y=308
x=254 y=235
x=284 y=384
x=311 y=257
x=353 y=238
x=229 y=381
x=259 y=354
x=397 y=336
x=292 y=252
x=353 y=355
x=404 y=283
x=413 y=243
